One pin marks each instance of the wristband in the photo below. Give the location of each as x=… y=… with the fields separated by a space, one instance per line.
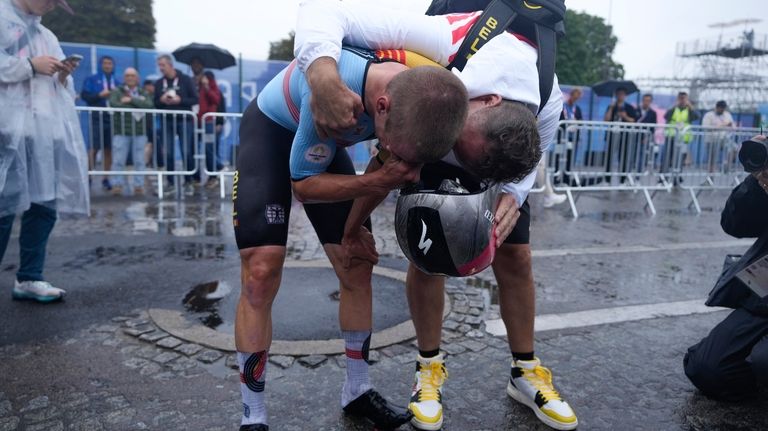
x=32 y=66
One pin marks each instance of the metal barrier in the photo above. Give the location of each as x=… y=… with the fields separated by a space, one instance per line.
x=119 y=134
x=597 y=156
x=220 y=140
x=708 y=159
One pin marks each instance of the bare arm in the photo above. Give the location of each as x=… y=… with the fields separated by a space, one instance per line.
x=328 y=187
x=334 y=106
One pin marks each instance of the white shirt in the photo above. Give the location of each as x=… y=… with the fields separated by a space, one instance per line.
x=711 y=119
x=505 y=65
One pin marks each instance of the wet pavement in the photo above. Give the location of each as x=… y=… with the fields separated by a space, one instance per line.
x=97 y=362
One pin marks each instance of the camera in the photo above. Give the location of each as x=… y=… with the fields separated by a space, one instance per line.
x=753 y=155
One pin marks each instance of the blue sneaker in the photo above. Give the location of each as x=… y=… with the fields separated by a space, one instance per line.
x=40 y=291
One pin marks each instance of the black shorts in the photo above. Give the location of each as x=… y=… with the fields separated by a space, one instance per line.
x=432 y=174
x=262 y=186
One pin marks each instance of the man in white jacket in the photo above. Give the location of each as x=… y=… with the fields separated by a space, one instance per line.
x=503 y=71
x=43 y=165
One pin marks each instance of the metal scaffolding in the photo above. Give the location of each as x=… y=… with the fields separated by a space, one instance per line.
x=731 y=67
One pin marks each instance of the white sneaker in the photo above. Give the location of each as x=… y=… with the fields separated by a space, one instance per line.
x=553 y=199
x=427 y=395
x=40 y=291
x=531 y=384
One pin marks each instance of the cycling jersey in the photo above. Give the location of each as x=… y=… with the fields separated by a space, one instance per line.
x=286 y=99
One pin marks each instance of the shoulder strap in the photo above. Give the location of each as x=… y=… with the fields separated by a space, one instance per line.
x=547 y=17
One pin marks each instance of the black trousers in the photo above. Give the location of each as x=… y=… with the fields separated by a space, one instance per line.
x=732 y=361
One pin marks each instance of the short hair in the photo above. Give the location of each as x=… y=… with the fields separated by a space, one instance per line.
x=166 y=57
x=682 y=93
x=106 y=57
x=428 y=107
x=622 y=89
x=721 y=104
x=147 y=82
x=648 y=95
x=576 y=90
x=514 y=147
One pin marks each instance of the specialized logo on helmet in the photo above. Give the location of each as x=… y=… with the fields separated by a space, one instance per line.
x=424 y=244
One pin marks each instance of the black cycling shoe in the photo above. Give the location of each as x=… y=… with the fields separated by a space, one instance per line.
x=372 y=406
x=254 y=427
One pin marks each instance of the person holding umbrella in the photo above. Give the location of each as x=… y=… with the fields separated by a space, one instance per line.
x=200 y=56
x=619 y=111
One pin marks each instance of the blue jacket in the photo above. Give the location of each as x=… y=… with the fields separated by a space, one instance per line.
x=93 y=85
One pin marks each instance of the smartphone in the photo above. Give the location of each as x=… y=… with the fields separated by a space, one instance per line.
x=74 y=58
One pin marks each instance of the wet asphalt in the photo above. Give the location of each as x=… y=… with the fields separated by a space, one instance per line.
x=132 y=255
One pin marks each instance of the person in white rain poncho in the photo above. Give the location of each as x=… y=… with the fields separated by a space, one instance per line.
x=43 y=164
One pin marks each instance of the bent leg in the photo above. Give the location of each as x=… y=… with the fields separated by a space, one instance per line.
x=758 y=360
x=426 y=301
x=262 y=201
x=717 y=365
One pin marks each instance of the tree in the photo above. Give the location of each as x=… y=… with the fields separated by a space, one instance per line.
x=584 y=54
x=282 y=49
x=114 y=22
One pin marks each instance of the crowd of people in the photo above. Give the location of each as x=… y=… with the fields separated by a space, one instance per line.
x=140 y=140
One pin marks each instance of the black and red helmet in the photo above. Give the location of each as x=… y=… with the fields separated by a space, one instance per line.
x=448 y=231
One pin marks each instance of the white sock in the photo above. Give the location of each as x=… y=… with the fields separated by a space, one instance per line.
x=356 y=345
x=253 y=369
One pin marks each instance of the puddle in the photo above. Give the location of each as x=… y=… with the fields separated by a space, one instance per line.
x=204 y=298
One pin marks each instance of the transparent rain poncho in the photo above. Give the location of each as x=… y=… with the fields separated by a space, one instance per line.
x=42 y=153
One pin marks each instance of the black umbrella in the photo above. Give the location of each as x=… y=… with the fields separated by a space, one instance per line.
x=608 y=88
x=210 y=55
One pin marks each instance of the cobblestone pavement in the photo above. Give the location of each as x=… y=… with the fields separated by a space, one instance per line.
x=97 y=362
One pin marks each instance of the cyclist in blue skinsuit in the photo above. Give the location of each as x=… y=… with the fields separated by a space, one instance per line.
x=279 y=148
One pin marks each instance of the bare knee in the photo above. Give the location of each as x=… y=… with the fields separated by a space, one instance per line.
x=357 y=278
x=261 y=273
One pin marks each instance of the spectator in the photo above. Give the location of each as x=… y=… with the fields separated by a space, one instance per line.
x=681 y=116
x=198 y=69
x=572 y=111
x=719 y=117
x=210 y=99
x=176 y=91
x=130 y=129
x=149 y=90
x=570 y=134
x=43 y=162
x=646 y=115
x=719 y=141
x=619 y=142
x=95 y=93
x=731 y=362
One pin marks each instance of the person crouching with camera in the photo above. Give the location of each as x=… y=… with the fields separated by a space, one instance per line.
x=731 y=362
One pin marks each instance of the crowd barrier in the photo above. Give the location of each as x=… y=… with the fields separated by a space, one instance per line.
x=597 y=156
x=587 y=156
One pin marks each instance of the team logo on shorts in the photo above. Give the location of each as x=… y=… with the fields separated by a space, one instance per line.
x=318 y=153
x=275 y=214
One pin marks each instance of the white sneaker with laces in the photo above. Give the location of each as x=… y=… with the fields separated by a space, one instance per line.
x=40 y=291
x=427 y=395
x=531 y=384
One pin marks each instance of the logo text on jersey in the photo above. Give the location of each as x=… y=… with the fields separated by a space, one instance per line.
x=318 y=153
x=424 y=243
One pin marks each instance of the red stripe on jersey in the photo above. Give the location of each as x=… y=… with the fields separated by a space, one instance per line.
x=458 y=16
x=292 y=108
x=461 y=32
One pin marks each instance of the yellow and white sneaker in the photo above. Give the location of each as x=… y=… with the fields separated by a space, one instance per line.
x=427 y=396
x=531 y=384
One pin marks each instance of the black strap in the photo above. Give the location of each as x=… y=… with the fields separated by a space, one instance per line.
x=492 y=22
x=547 y=17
